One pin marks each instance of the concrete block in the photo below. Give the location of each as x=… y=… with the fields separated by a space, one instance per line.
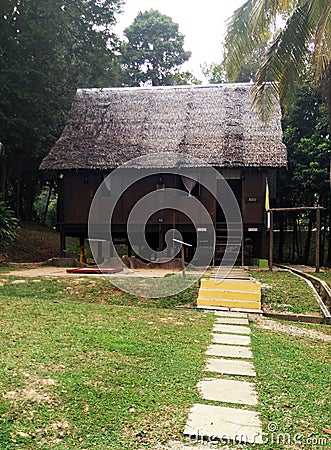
x=220 y=423
x=228 y=391
x=231 y=339
x=232 y=320
x=230 y=367
x=229 y=351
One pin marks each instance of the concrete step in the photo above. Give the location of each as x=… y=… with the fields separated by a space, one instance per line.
x=231 y=285
x=229 y=294
x=228 y=303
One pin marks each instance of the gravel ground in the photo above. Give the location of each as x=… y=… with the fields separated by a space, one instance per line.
x=272 y=325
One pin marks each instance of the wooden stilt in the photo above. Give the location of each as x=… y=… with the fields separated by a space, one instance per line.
x=63 y=249
x=271 y=241
x=318 y=240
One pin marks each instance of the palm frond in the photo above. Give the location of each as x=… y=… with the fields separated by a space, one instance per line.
x=284 y=62
x=322 y=50
x=267 y=10
x=241 y=39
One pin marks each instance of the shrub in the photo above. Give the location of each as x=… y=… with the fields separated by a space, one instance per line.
x=8 y=224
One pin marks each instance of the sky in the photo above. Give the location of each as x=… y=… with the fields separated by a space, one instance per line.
x=202 y=23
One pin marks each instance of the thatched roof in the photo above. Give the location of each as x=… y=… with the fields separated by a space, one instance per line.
x=216 y=123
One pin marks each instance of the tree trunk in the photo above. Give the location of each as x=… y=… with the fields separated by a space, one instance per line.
x=329 y=243
x=281 y=238
x=308 y=241
x=294 y=229
x=2 y=172
x=47 y=201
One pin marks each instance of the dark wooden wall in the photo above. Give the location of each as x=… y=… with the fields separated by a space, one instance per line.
x=77 y=189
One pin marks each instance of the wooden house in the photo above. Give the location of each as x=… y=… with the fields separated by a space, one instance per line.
x=216 y=124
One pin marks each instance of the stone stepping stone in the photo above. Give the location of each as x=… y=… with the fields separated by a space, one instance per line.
x=231 y=339
x=230 y=314
x=229 y=351
x=228 y=391
x=222 y=423
x=232 y=320
x=230 y=367
x=235 y=329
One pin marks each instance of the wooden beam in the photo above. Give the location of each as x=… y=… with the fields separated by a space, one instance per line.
x=301 y=208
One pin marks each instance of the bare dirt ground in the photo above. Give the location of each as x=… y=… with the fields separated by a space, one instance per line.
x=32 y=271
x=34 y=243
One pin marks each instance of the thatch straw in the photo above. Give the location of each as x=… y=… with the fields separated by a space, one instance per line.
x=216 y=123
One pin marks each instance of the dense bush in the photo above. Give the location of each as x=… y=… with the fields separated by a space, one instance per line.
x=8 y=224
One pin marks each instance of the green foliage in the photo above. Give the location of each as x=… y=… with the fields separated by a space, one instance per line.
x=214 y=73
x=154 y=50
x=309 y=149
x=47 y=49
x=304 y=39
x=8 y=224
x=184 y=78
x=40 y=206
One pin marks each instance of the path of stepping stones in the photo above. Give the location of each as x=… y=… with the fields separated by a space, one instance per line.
x=229 y=358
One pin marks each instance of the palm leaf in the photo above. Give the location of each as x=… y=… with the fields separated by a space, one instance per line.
x=267 y=10
x=241 y=39
x=322 y=51
x=284 y=62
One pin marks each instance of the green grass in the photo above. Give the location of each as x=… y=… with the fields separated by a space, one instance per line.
x=78 y=371
x=6 y=269
x=99 y=290
x=285 y=292
x=325 y=276
x=293 y=387
x=85 y=366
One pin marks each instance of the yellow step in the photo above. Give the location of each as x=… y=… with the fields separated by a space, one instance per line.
x=229 y=294
x=231 y=285
x=228 y=303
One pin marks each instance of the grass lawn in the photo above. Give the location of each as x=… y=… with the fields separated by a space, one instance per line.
x=84 y=366
x=293 y=388
x=285 y=292
x=325 y=276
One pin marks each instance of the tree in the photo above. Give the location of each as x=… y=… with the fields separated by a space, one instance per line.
x=154 y=51
x=305 y=38
x=214 y=73
x=306 y=182
x=47 y=49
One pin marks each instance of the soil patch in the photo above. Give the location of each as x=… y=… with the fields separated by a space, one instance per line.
x=34 y=243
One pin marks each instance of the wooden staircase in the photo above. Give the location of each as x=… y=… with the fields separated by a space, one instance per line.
x=239 y=293
x=223 y=242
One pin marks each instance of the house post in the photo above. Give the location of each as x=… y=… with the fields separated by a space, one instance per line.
x=318 y=239
x=63 y=249
x=271 y=241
